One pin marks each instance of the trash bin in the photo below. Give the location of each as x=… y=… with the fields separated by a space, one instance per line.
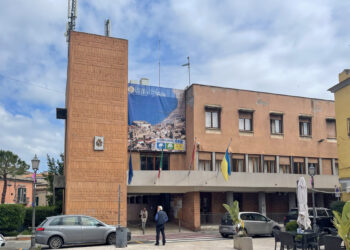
x=121 y=240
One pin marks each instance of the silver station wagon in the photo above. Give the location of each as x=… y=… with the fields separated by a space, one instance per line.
x=62 y=230
x=254 y=224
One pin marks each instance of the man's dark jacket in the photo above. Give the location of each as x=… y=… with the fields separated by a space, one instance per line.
x=161 y=218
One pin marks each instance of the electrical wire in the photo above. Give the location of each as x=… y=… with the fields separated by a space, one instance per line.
x=31 y=83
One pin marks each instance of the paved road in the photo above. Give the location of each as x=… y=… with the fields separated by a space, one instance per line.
x=193 y=240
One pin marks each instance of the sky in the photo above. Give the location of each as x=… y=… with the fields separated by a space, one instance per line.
x=289 y=47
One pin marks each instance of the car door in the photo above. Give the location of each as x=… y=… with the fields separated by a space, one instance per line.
x=71 y=229
x=260 y=224
x=249 y=223
x=93 y=230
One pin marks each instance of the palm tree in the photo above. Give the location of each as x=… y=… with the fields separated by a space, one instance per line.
x=10 y=164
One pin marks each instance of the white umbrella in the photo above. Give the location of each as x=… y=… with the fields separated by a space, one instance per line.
x=303 y=214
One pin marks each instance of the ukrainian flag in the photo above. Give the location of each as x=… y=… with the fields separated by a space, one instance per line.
x=226 y=166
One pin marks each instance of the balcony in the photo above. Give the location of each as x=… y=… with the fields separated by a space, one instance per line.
x=209 y=181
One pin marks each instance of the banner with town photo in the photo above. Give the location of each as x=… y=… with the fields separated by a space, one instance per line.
x=156 y=119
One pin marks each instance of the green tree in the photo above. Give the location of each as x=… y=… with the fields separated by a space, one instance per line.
x=341 y=222
x=55 y=167
x=10 y=164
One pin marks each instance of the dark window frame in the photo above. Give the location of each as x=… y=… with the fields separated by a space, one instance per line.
x=212 y=110
x=348 y=126
x=333 y=120
x=241 y=114
x=308 y=121
x=153 y=159
x=273 y=118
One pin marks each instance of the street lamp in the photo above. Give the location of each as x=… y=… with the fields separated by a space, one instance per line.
x=312 y=172
x=35 y=166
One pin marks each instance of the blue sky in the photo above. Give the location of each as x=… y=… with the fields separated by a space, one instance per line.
x=289 y=47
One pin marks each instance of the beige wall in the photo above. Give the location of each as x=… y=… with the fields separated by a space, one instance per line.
x=260 y=141
x=96 y=104
x=177 y=162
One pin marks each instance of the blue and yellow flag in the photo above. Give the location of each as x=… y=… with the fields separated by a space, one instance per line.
x=226 y=166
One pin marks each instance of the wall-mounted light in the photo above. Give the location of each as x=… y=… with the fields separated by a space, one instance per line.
x=320 y=140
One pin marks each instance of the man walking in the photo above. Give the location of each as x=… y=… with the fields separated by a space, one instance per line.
x=161 y=218
x=144 y=216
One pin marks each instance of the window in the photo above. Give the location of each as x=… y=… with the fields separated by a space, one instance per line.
x=86 y=221
x=269 y=167
x=331 y=129
x=254 y=164
x=217 y=165
x=212 y=117
x=238 y=165
x=204 y=165
x=36 y=201
x=245 y=122
x=321 y=213
x=70 y=221
x=21 y=195
x=304 y=126
x=151 y=161
x=285 y=169
x=299 y=168
x=56 y=222
x=276 y=123
x=336 y=168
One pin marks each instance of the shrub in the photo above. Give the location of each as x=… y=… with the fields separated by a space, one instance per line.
x=41 y=213
x=11 y=218
x=291 y=226
x=337 y=206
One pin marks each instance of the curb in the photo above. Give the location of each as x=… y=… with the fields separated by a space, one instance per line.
x=18 y=237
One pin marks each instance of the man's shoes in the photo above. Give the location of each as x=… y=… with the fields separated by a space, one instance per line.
x=163 y=243
x=157 y=244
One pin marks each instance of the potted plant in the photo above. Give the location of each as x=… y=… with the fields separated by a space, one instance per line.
x=240 y=240
x=342 y=224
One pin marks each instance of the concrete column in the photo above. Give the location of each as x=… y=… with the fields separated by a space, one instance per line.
x=262 y=203
x=291 y=165
x=320 y=164
x=213 y=161
x=292 y=200
x=262 y=163
x=307 y=165
x=333 y=167
x=319 y=200
x=229 y=198
x=247 y=163
x=277 y=164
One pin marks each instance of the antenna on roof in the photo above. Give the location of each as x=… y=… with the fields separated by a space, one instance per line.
x=108 y=27
x=188 y=64
x=72 y=15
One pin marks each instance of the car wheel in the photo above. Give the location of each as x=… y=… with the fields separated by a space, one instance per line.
x=224 y=235
x=55 y=242
x=273 y=229
x=111 y=239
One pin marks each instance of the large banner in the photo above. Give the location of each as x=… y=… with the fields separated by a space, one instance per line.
x=156 y=118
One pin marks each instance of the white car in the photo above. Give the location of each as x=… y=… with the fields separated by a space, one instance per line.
x=2 y=240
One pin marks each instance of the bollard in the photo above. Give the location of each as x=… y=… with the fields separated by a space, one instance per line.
x=121 y=237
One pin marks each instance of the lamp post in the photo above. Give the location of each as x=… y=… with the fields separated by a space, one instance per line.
x=35 y=166
x=312 y=172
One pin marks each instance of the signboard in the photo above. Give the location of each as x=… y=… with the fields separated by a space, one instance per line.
x=99 y=143
x=156 y=119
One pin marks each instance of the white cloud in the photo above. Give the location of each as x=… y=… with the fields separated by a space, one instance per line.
x=27 y=136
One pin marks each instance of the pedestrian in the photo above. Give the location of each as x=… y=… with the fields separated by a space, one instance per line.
x=144 y=217
x=161 y=218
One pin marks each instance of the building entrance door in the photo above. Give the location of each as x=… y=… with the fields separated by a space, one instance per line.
x=205 y=208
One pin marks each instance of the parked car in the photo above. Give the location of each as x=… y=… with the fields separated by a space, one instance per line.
x=254 y=224
x=57 y=231
x=324 y=218
x=2 y=240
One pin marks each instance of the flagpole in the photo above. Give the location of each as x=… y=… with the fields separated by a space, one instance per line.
x=192 y=159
